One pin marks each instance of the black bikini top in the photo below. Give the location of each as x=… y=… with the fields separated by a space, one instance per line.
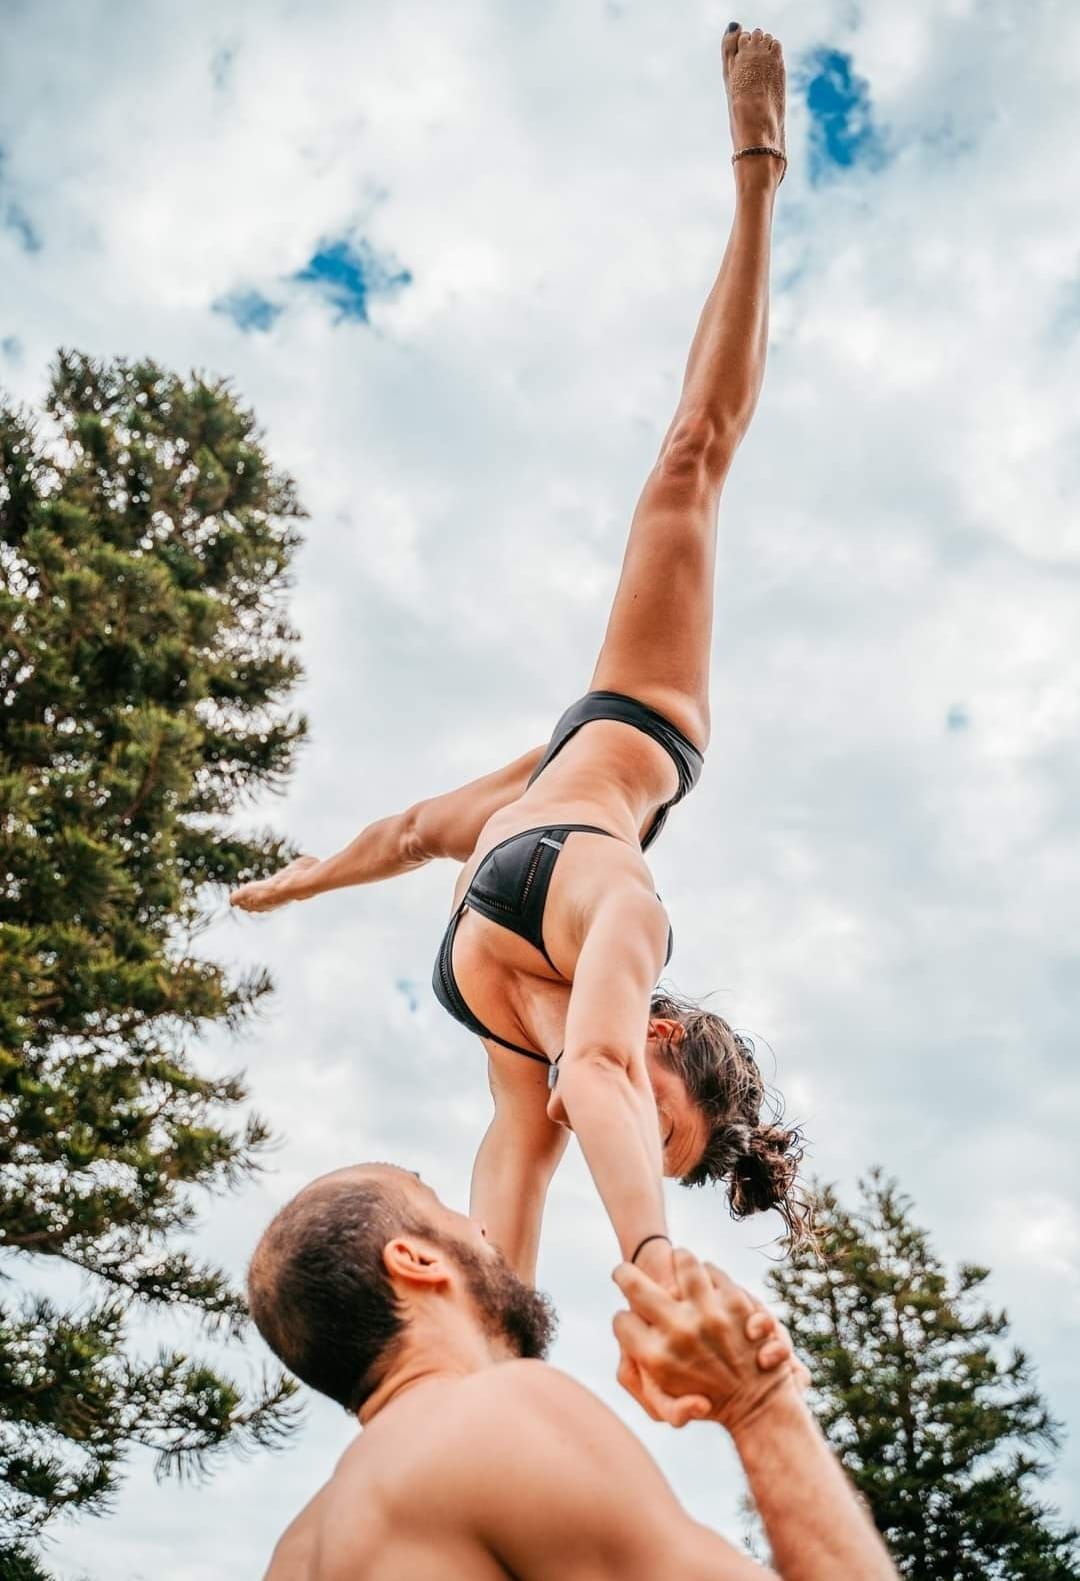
x=510 y=887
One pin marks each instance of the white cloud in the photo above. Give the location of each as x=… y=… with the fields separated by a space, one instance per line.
x=890 y=903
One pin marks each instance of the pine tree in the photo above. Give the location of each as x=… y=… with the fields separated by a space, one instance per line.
x=941 y=1428
x=145 y=541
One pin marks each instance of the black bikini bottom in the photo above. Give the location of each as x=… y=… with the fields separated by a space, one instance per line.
x=680 y=749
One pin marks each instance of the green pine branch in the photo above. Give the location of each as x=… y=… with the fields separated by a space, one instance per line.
x=942 y=1428
x=146 y=666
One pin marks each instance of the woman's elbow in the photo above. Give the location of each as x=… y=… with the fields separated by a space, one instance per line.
x=587 y=1073
x=417 y=835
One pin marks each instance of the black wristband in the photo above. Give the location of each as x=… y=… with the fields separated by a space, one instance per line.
x=659 y=1236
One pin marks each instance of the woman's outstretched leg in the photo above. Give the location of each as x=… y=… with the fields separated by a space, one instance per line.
x=659 y=635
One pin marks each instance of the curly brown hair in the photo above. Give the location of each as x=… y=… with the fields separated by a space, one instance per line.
x=759 y=1162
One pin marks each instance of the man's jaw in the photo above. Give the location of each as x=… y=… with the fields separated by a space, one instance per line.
x=491 y=1317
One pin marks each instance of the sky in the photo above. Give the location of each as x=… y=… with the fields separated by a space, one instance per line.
x=453 y=256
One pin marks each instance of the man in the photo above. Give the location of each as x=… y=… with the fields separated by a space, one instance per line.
x=478 y=1462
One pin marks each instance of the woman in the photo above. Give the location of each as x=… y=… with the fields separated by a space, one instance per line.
x=557 y=936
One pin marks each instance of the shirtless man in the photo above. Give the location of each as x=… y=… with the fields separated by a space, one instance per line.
x=477 y=1461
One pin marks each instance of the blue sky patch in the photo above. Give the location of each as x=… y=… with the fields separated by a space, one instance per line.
x=13 y=217
x=842 y=130
x=410 y=992
x=16 y=219
x=249 y=310
x=958 y=717
x=349 y=273
x=11 y=348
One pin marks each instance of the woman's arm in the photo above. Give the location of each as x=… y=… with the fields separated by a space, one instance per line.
x=515 y=1163
x=603 y=1090
x=447 y=825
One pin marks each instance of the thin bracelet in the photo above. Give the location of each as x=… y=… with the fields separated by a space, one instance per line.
x=659 y=1236
x=763 y=148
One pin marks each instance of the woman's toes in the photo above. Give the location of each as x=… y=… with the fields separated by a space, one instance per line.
x=744 y=40
x=756 y=36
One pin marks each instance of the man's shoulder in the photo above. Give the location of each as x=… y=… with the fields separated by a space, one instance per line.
x=291 y=1559
x=544 y=1473
x=528 y=1400
x=346 y=1518
x=513 y=1383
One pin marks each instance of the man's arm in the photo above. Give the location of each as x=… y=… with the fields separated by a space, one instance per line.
x=701 y=1342
x=447 y=825
x=815 y=1524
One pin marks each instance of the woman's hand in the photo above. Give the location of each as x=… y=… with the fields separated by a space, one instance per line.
x=267 y=894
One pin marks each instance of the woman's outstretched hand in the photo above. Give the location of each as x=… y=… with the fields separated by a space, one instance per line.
x=267 y=894
x=709 y=1350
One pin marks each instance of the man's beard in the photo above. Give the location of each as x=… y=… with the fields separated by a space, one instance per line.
x=511 y=1310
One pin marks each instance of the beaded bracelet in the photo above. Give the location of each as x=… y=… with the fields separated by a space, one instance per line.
x=762 y=148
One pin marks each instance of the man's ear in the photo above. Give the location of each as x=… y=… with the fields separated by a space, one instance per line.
x=415 y=1262
x=664 y=1030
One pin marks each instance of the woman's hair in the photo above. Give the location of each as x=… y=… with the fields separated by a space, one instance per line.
x=720 y=1073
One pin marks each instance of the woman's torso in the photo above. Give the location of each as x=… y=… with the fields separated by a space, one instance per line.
x=609 y=776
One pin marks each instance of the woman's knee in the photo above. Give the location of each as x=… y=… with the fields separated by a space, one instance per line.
x=697 y=450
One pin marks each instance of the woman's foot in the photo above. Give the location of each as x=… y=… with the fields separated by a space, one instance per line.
x=267 y=894
x=754 y=78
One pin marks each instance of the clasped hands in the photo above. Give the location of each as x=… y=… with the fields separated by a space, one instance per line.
x=705 y=1350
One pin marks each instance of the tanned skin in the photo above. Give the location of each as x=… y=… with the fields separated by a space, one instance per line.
x=474 y=1466
x=604 y=927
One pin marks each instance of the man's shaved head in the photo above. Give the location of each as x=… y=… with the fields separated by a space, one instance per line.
x=318 y=1289
x=322 y=1298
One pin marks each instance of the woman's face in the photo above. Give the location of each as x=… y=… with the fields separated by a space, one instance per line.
x=683 y=1129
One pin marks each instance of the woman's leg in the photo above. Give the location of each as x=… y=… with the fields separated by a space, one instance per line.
x=658 y=640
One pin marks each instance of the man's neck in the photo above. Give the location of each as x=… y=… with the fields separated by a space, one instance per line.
x=452 y=1352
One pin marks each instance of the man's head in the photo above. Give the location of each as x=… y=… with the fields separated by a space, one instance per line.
x=349 y=1268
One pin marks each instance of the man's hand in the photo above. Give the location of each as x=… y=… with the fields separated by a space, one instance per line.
x=766 y=1331
x=713 y=1351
